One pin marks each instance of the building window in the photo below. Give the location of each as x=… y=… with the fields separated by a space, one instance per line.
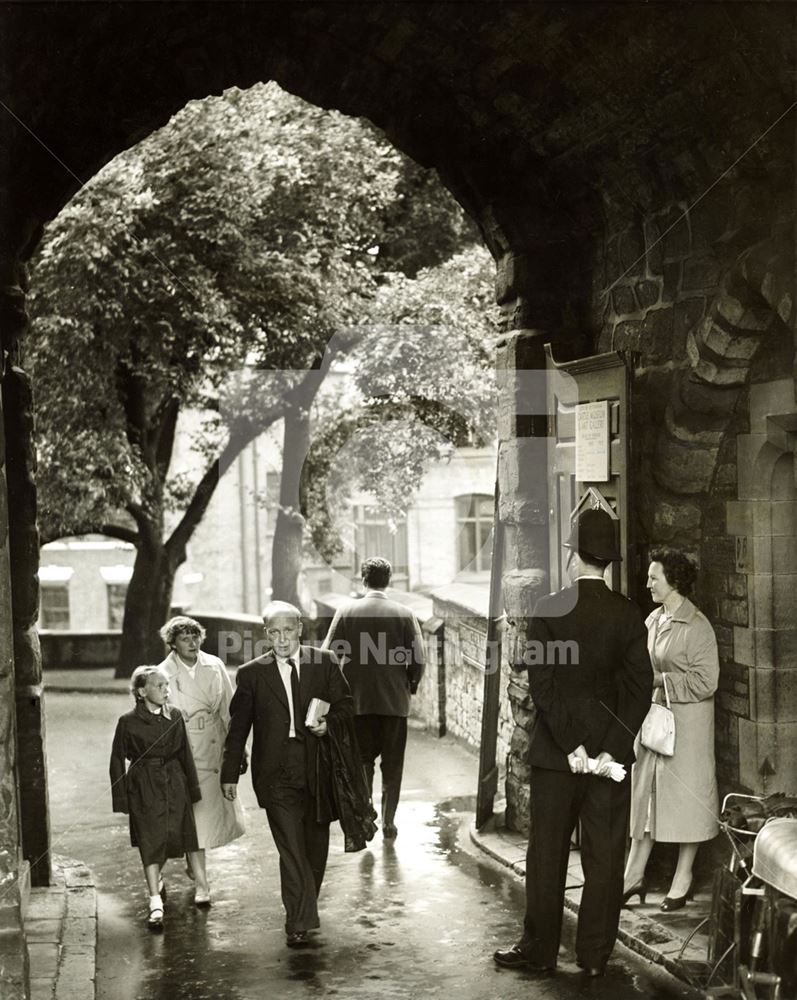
x=117 y=592
x=373 y=537
x=54 y=605
x=474 y=533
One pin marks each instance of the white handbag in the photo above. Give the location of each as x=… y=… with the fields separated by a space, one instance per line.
x=658 y=729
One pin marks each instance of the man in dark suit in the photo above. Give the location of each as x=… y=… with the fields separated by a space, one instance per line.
x=380 y=645
x=588 y=707
x=272 y=695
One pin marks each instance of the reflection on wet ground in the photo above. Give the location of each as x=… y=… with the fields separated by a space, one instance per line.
x=413 y=918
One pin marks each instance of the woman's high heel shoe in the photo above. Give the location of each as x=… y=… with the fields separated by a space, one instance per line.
x=640 y=889
x=670 y=903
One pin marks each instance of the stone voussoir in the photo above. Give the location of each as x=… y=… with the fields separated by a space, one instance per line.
x=710 y=400
x=742 y=316
x=709 y=435
x=729 y=344
x=712 y=369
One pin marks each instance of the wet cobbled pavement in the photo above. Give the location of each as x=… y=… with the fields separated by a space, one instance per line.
x=417 y=917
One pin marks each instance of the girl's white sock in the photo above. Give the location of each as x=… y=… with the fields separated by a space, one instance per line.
x=155 y=901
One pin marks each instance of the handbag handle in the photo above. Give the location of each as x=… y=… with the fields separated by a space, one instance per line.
x=666 y=692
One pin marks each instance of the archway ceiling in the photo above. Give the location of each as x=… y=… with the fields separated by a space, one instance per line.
x=515 y=103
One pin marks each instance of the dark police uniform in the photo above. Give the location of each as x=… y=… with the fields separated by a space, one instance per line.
x=597 y=702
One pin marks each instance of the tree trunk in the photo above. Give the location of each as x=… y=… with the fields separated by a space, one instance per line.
x=287 y=548
x=149 y=597
x=149 y=593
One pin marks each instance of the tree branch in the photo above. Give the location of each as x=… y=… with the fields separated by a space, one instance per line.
x=195 y=511
x=123 y=534
x=152 y=435
x=111 y=530
x=302 y=395
x=163 y=437
x=130 y=395
x=139 y=515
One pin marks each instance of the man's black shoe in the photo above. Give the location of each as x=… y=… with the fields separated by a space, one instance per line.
x=516 y=958
x=296 y=939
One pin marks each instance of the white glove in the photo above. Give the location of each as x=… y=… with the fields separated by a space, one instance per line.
x=616 y=771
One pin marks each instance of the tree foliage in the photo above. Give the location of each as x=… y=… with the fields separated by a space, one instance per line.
x=425 y=385
x=239 y=233
x=241 y=236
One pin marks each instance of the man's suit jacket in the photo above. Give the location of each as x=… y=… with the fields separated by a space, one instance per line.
x=597 y=691
x=261 y=702
x=380 y=645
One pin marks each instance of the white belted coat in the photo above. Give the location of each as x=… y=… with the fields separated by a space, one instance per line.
x=681 y=790
x=204 y=701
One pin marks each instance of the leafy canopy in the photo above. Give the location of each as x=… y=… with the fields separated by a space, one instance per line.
x=425 y=384
x=246 y=231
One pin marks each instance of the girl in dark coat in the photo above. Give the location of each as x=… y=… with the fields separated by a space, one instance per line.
x=159 y=785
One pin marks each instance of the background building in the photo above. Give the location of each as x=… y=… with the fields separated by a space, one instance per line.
x=446 y=537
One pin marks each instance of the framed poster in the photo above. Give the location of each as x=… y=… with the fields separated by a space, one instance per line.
x=592 y=442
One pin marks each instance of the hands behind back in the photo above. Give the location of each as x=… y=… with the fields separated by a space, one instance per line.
x=578 y=760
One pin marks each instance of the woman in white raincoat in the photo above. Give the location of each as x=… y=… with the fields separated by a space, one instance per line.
x=200 y=688
x=674 y=799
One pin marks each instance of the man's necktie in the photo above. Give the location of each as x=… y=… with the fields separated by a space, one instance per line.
x=298 y=721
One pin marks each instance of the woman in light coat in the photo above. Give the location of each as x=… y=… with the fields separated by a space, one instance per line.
x=674 y=799
x=200 y=688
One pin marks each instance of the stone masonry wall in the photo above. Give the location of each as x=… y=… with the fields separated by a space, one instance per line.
x=699 y=287
x=13 y=953
x=24 y=552
x=451 y=694
x=703 y=298
x=429 y=702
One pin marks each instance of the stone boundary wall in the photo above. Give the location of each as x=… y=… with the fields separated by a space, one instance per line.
x=232 y=637
x=450 y=695
x=76 y=650
x=429 y=703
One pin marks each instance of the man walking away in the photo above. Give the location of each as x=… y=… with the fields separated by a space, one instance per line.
x=380 y=645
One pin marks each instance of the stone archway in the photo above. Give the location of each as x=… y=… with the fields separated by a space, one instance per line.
x=524 y=110
x=752 y=310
